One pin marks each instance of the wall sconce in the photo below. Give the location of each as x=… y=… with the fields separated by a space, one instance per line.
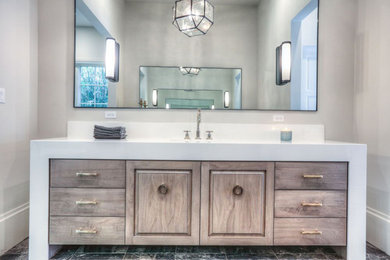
x=167 y=106
x=112 y=60
x=155 y=97
x=226 y=99
x=283 y=63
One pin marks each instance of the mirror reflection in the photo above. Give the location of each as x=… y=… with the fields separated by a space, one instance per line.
x=190 y=87
x=219 y=54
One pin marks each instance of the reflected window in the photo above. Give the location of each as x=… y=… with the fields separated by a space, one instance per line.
x=92 y=86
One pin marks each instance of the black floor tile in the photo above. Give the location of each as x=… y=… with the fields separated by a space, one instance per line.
x=13 y=257
x=20 y=252
x=97 y=256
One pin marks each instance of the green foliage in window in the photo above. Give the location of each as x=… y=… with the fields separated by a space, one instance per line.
x=93 y=86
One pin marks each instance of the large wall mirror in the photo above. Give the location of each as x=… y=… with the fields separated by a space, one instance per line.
x=186 y=54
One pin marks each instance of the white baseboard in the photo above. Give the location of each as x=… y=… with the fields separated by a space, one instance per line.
x=378 y=229
x=13 y=227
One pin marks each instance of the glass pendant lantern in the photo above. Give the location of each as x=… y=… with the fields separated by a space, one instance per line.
x=190 y=71
x=193 y=17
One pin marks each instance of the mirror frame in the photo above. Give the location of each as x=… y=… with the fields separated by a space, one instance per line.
x=192 y=109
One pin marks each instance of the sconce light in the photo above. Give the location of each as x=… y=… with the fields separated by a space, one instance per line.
x=112 y=60
x=155 y=97
x=283 y=63
x=167 y=106
x=190 y=71
x=193 y=17
x=226 y=99
x=212 y=107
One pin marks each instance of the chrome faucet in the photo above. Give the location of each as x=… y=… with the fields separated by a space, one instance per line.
x=198 y=120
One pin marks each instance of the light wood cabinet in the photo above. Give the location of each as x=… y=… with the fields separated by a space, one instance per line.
x=310 y=203
x=163 y=203
x=237 y=203
x=197 y=203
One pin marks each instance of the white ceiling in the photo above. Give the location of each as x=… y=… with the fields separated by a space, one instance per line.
x=214 y=2
x=81 y=20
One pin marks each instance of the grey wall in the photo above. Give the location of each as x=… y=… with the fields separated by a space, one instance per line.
x=336 y=76
x=371 y=107
x=18 y=116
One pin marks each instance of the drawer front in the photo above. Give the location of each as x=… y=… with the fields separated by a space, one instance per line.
x=237 y=203
x=87 y=231
x=310 y=231
x=87 y=202
x=87 y=174
x=310 y=204
x=307 y=176
x=163 y=202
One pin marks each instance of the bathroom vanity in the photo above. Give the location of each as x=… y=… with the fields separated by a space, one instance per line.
x=158 y=192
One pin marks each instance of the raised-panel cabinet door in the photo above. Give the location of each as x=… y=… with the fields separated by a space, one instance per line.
x=237 y=203
x=163 y=203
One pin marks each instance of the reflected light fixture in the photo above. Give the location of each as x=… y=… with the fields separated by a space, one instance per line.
x=283 y=63
x=155 y=97
x=193 y=17
x=226 y=99
x=112 y=60
x=190 y=71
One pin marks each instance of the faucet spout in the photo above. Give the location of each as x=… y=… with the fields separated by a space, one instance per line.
x=198 y=120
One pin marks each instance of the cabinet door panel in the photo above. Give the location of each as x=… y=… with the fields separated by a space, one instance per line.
x=162 y=201
x=237 y=203
x=241 y=213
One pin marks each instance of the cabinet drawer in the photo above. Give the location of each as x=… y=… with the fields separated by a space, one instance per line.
x=87 y=173
x=310 y=204
x=87 y=202
x=87 y=230
x=307 y=176
x=310 y=231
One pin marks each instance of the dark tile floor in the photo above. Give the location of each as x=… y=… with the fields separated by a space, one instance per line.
x=20 y=252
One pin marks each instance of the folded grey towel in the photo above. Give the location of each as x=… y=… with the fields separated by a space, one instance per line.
x=102 y=132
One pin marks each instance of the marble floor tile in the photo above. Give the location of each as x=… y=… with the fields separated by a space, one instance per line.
x=20 y=252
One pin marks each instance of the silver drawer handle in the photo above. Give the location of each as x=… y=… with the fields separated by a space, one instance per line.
x=83 y=174
x=86 y=202
x=313 y=176
x=311 y=204
x=86 y=231
x=311 y=232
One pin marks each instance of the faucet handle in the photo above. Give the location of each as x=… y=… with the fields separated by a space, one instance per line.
x=209 y=135
x=187 y=136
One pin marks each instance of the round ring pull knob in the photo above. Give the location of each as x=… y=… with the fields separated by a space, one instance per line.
x=238 y=190
x=162 y=189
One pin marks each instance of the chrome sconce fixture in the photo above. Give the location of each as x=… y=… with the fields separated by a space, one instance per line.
x=155 y=97
x=226 y=99
x=190 y=71
x=112 y=60
x=193 y=17
x=283 y=63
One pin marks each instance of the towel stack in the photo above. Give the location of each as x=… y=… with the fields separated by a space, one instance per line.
x=102 y=132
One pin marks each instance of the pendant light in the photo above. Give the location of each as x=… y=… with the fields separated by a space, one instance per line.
x=193 y=17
